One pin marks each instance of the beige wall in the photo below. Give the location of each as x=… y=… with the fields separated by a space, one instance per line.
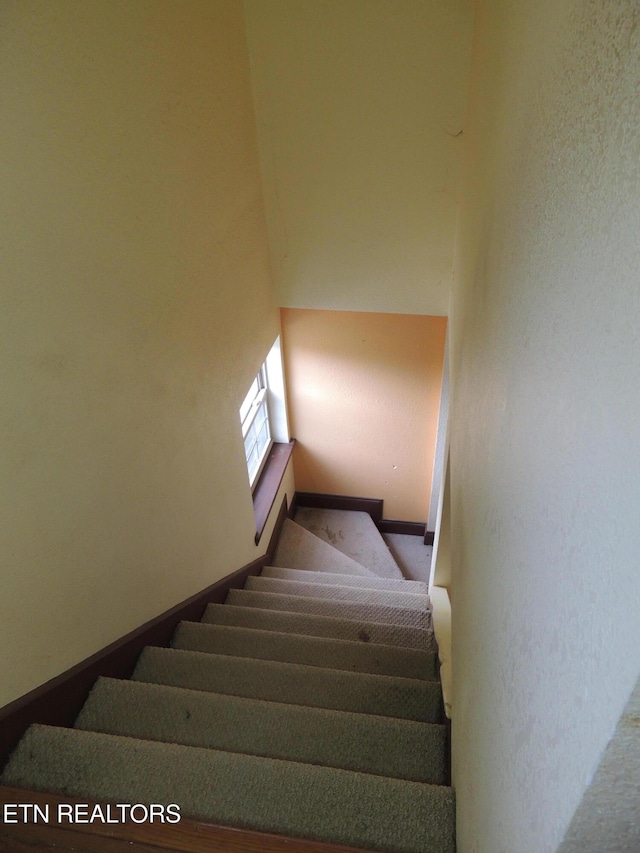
x=364 y=391
x=360 y=113
x=135 y=306
x=545 y=449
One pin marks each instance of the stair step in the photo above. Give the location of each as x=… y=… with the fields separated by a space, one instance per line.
x=392 y=598
x=294 y=799
x=322 y=607
x=372 y=582
x=320 y=626
x=353 y=533
x=369 y=744
x=293 y=684
x=297 y=547
x=312 y=651
x=411 y=554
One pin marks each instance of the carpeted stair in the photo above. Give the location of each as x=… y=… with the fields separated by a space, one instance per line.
x=316 y=651
x=307 y=705
x=356 y=629
x=297 y=548
x=357 y=608
x=353 y=534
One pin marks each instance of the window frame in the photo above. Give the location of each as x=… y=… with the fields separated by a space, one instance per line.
x=255 y=404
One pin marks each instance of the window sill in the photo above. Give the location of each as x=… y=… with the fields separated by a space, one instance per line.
x=266 y=489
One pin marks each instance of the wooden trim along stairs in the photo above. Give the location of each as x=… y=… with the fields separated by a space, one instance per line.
x=58 y=702
x=188 y=836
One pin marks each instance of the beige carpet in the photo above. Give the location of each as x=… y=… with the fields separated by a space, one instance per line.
x=352 y=533
x=307 y=705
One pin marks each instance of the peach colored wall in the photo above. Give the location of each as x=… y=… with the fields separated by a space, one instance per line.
x=364 y=390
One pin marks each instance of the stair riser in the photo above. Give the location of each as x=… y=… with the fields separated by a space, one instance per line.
x=396 y=616
x=345 y=580
x=320 y=626
x=313 y=651
x=293 y=684
x=391 y=598
x=368 y=744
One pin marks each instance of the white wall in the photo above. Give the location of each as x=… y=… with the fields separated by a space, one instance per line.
x=135 y=306
x=545 y=445
x=359 y=105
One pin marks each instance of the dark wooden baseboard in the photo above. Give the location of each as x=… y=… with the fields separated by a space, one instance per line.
x=188 y=836
x=373 y=506
x=408 y=528
x=58 y=701
x=319 y=501
x=447 y=753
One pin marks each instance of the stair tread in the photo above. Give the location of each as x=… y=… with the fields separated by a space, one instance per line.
x=382 y=613
x=391 y=598
x=369 y=744
x=299 y=648
x=411 y=554
x=352 y=533
x=320 y=626
x=308 y=705
x=290 y=798
x=293 y=683
x=309 y=576
x=299 y=547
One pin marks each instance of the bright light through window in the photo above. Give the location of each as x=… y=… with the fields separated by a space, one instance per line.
x=256 y=429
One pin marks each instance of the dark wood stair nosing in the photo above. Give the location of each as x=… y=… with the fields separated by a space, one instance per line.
x=187 y=836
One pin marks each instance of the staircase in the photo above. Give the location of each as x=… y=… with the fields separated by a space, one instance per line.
x=307 y=705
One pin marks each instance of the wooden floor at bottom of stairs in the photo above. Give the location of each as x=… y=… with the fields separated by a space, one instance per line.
x=187 y=836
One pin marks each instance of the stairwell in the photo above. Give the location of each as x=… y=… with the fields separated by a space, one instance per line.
x=307 y=705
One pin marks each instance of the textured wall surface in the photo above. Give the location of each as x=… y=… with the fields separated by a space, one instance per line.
x=608 y=818
x=359 y=109
x=135 y=306
x=545 y=445
x=364 y=391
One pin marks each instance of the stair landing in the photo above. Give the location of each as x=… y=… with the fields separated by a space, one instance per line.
x=352 y=533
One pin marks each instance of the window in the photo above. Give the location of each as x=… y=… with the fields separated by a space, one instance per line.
x=256 y=427
x=265 y=432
